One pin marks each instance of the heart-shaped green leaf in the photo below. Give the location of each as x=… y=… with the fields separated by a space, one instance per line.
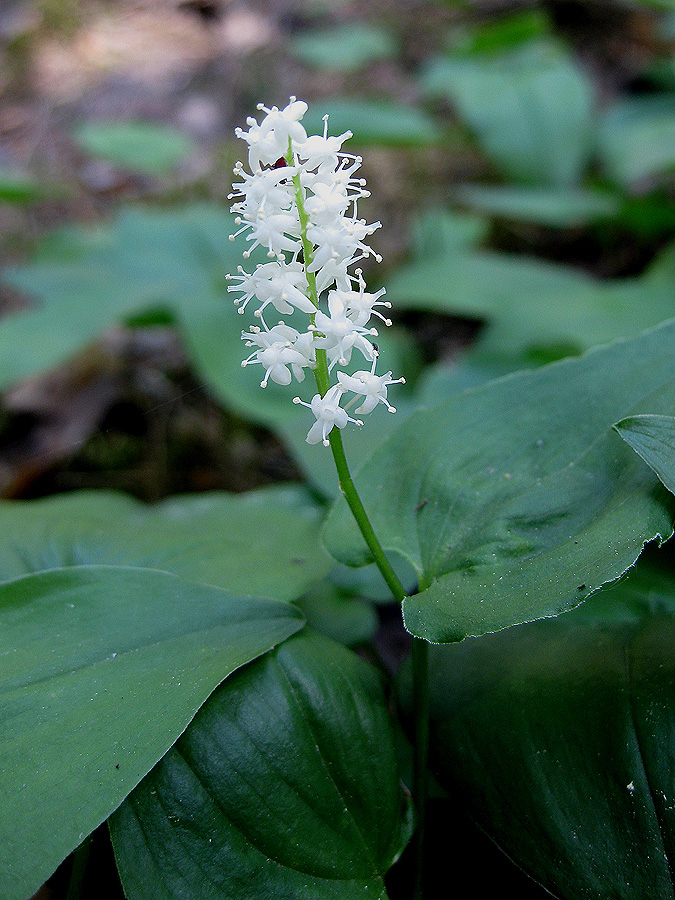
x=557 y=737
x=285 y=785
x=653 y=438
x=101 y=669
x=530 y=109
x=518 y=499
x=264 y=542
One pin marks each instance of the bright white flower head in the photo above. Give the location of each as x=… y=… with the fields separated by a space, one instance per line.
x=299 y=203
x=268 y=141
x=278 y=348
x=371 y=386
x=338 y=334
x=328 y=413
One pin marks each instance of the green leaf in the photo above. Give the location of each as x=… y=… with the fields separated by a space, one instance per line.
x=531 y=109
x=101 y=669
x=285 y=785
x=516 y=500
x=557 y=738
x=530 y=304
x=653 y=438
x=144 y=147
x=174 y=262
x=374 y=122
x=86 y=279
x=494 y=35
x=340 y=616
x=264 y=542
x=553 y=207
x=19 y=188
x=637 y=139
x=346 y=49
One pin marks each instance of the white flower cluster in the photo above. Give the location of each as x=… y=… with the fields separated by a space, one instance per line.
x=300 y=203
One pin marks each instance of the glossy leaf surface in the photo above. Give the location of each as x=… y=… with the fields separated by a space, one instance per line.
x=653 y=438
x=101 y=669
x=513 y=513
x=285 y=785
x=557 y=737
x=264 y=542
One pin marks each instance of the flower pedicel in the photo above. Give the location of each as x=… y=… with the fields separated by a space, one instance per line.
x=299 y=201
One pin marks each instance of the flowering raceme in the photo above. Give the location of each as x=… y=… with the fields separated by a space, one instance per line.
x=299 y=202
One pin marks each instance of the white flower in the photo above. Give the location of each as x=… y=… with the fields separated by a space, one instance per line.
x=371 y=386
x=360 y=304
x=328 y=203
x=340 y=334
x=299 y=202
x=278 y=348
x=340 y=240
x=278 y=230
x=268 y=141
x=269 y=191
x=284 y=286
x=320 y=151
x=328 y=413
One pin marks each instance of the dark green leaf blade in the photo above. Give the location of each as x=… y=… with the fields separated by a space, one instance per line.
x=557 y=738
x=101 y=669
x=264 y=542
x=653 y=438
x=516 y=513
x=285 y=785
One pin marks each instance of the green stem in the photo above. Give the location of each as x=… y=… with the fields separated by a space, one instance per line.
x=357 y=509
x=420 y=664
x=420 y=648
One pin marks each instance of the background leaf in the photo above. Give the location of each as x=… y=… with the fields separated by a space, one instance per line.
x=285 y=785
x=345 y=49
x=263 y=542
x=637 y=139
x=557 y=738
x=373 y=122
x=532 y=305
x=101 y=669
x=653 y=438
x=174 y=261
x=145 y=147
x=512 y=513
x=552 y=207
x=530 y=109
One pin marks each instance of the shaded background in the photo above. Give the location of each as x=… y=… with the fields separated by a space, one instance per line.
x=520 y=158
